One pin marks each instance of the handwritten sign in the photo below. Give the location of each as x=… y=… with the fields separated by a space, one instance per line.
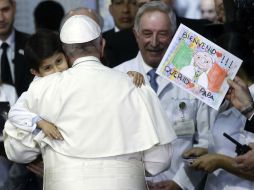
x=199 y=66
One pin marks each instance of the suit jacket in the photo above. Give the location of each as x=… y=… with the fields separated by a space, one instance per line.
x=120 y=46
x=249 y=126
x=23 y=77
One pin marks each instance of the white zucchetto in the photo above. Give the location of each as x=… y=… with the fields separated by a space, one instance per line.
x=79 y=29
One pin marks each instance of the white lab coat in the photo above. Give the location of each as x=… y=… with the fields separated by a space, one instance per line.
x=195 y=128
x=231 y=122
x=94 y=139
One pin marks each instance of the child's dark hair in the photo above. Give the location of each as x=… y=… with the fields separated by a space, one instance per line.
x=40 y=46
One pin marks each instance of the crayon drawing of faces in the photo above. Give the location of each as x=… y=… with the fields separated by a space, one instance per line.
x=203 y=61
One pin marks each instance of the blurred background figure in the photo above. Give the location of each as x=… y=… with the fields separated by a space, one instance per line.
x=187 y=8
x=219 y=8
x=14 y=70
x=120 y=41
x=48 y=15
x=123 y=13
x=208 y=10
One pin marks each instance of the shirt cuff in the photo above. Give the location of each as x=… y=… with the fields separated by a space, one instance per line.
x=251 y=116
x=35 y=120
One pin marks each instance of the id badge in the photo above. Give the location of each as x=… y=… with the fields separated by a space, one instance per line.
x=184 y=128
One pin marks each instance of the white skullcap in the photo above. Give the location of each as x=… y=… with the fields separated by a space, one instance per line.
x=79 y=29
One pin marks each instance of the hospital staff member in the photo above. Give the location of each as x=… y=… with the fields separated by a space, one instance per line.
x=155 y=25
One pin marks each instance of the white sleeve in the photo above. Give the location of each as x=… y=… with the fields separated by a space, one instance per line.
x=157 y=159
x=21 y=117
x=19 y=145
x=18 y=152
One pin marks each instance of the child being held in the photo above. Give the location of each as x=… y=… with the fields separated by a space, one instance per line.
x=45 y=56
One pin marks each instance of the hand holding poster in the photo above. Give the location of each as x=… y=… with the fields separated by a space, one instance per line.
x=199 y=66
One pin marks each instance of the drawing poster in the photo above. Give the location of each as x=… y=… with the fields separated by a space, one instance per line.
x=199 y=66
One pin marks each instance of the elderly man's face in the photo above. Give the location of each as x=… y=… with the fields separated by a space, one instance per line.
x=153 y=37
x=219 y=7
x=208 y=10
x=123 y=12
x=7 y=13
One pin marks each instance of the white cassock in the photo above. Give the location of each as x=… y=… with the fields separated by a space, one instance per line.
x=112 y=130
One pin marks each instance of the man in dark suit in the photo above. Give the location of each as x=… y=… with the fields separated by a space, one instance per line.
x=120 y=41
x=15 y=70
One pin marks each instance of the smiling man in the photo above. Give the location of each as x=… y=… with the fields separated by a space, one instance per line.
x=154 y=27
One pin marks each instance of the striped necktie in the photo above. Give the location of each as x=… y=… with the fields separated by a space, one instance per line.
x=152 y=79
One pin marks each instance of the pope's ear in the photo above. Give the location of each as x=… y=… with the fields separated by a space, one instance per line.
x=103 y=44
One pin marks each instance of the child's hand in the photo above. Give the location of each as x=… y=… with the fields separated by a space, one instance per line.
x=50 y=130
x=138 y=78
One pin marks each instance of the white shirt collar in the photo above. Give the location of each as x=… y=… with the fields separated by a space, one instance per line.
x=86 y=59
x=9 y=40
x=146 y=67
x=116 y=29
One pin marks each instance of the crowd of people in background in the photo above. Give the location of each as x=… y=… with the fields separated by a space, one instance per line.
x=87 y=109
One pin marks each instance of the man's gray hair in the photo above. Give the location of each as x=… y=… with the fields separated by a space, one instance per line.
x=79 y=49
x=80 y=11
x=156 y=6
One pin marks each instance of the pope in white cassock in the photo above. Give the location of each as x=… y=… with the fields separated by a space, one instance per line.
x=112 y=130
